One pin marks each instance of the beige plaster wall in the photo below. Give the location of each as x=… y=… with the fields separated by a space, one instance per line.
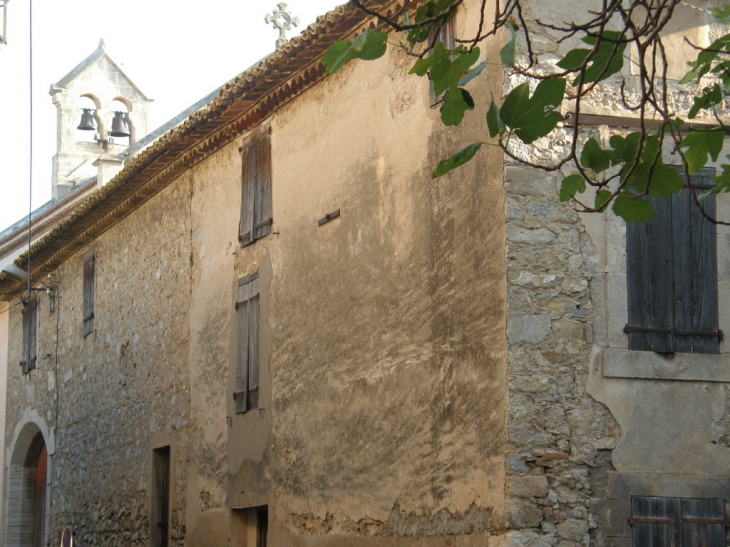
x=381 y=416
x=388 y=378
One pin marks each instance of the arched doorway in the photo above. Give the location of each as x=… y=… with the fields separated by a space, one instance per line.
x=27 y=490
x=39 y=499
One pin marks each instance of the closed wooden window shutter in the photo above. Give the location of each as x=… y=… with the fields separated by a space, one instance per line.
x=677 y=522
x=256 y=217
x=30 y=335
x=671 y=267
x=88 y=311
x=262 y=207
x=248 y=193
x=247 y=361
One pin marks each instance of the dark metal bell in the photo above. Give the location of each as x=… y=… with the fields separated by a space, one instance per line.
x=88 y=123
x=119 y=125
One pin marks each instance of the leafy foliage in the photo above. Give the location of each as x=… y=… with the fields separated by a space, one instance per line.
x=533 y=117
x=624 y=174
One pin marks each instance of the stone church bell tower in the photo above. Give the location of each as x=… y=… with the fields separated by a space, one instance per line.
x=100 y=113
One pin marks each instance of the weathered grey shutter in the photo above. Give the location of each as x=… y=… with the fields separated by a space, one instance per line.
x=256 y=189
x=671 y=267
x=30 y=338
x=253 y=349
x=25 y=348
x=649 y=274
x=29 y=348
x=247 y=373
x=33 y=331
x=655 y=522
x=262 y=206
x=703 y=523
x=89 y=265
x=695 y=271
x=248 y=193
x=675 y=522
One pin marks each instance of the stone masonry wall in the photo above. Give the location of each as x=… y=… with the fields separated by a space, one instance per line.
x=104 y=394
x=558 y=435
x=565 y=273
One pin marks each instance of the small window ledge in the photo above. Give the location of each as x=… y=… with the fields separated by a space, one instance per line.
x=624 y=363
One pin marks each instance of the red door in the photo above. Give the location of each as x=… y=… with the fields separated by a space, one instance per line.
x=39 y=501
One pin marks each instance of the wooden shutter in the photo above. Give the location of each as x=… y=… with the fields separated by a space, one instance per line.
x=695 y=271
x=247 y=368
x=256 y=217
x=649 y=274
x=703 y=523
x=29 y=348
x=262 y=207
x=671 y=267
x=655 y=522
x=88 y=311
x=248 y=193
x=675 y=522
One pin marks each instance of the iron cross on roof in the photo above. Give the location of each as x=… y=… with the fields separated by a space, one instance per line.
x=282 y=20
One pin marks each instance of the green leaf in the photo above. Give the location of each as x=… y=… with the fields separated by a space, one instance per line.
x=337 y=55
x=368 y=45
x=507 y=53
x=721 y=15
x=494 y=120
x=473 y=73
x=533 y=117
x=456 y=102
x=625 y=148
x=602 y=198
x=703 y=64
x=445 y=72
x=373 y=47
x=572 y=185
x=594 y=158
x=664 y=182
x=722 y=182
x=632 y=208
x=466 y=60
x=699 y=145
x=605 y=59
x=438 y=55
x=573 y=59
x=457 y=160
x=711 y=96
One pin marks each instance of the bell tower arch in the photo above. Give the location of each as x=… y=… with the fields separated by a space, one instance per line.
x=88 y=138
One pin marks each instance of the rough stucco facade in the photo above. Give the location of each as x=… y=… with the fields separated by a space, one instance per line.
x=441 y=364
x=382 y=343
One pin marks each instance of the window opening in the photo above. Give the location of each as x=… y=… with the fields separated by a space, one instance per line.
x=249 y=527
x=160 y=496
x=30 y=334
x=671 y=270
x=255 y=189
x=246 y=395
x=89 y=280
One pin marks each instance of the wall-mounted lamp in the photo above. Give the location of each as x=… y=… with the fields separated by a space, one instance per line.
x=25 y=276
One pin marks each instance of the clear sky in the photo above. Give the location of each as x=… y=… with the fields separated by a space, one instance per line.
x=176 y=52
